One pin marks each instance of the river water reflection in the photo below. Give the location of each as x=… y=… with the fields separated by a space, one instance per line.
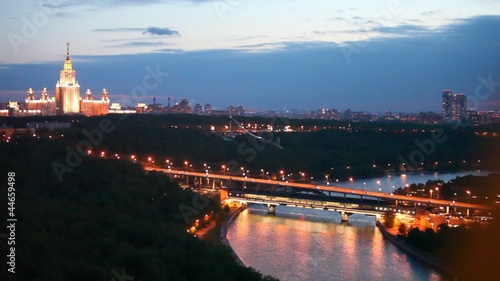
x=306 y=244
x=389 y=183
x=315 y=245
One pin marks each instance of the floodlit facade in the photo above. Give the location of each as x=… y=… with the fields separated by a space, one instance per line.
x=45 y=106
x=90 y=106
x=67 y=89
x=67 y=98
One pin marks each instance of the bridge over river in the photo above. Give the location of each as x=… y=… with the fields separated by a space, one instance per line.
x=297 y=194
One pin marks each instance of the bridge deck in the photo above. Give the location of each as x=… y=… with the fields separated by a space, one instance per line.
x=337 y=189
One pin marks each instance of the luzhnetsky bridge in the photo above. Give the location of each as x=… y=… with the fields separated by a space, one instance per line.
x=308 y=195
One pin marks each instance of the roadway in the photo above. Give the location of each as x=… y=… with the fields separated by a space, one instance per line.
x=337 y=189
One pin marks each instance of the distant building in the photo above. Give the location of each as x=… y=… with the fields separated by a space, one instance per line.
x=92 y=107
x=454 y=106
x=67 y=89
x=231 y=110
x=240 y=110
x=446 y=106
x=198 y=109
x=208 y=109
x=325 y=113
x=155 y=107
x=67 y=98
x=459 y=106
x=141 y=107
x=428 y=117
x=182 y=107
x=473 y=117
x=44 y=106
x=13 y=108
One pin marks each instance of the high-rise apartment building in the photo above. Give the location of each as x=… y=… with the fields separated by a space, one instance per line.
x=454 y=106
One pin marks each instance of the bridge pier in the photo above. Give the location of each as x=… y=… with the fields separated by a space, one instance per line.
x=344 y=216
x=271 y=209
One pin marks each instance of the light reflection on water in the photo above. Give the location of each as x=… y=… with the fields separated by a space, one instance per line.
x=314 y=245
x=389 y=183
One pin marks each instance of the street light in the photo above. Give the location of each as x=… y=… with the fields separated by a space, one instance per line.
x=468 y=192
x=186 y=163
x=430 y=192
x=224 y=169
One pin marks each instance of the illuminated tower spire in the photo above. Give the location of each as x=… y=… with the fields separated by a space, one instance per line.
x=67 y=51
x=67 y=89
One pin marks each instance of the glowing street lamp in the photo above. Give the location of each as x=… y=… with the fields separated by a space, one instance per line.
x=187 y=166
x=430 y=192
x=468 y=192
x=224 y=169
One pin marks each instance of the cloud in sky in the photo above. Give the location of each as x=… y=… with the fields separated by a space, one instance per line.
x=160 y=31
x=61 y=4
x=149 y=30
x=119 y=29
x=401 y=29
x=138 y=44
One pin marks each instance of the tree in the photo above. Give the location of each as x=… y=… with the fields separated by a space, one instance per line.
x=402 y=229
x=389 y=218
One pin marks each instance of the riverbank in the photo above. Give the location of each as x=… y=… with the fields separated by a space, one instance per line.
x=224 y=229
x=424 y=257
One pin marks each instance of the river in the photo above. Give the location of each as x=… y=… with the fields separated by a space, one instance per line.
x=390 y=182
x=307 y=244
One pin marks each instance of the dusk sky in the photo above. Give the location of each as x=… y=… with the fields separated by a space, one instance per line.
x=284 y=54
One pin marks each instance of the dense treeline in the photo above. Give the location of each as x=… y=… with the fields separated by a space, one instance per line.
x=471 y=253
x=345 y=150
x=475 y=189
x=105 y=216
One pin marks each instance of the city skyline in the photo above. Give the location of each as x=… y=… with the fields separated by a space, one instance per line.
x=376 y=58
